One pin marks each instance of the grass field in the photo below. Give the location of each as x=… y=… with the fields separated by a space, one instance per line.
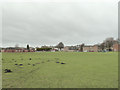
x=81 y=70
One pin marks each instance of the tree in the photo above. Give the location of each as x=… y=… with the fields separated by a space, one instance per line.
x=60 y=46
x=109 y=43
x=28 y=48
x=102 y=46
x=118 y=40
x=81 y=47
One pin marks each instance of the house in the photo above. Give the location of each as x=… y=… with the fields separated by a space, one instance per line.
x=69 y=49
x=87 y=48
x=90 y=48
x=31 y=49
x=116 y=47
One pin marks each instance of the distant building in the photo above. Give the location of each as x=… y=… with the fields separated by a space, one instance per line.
x=94 y=48
x=66 y=48
x=17 y=49
x=69 y=49
x=116 y=47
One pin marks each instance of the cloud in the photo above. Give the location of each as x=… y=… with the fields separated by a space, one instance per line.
x=50 y=23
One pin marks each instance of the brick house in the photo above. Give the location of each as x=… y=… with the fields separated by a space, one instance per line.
x=94 y=48
x=69 y=49
x=116 y=47
x=87 y=48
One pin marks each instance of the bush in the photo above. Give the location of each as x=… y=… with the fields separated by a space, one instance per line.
x=43 y=49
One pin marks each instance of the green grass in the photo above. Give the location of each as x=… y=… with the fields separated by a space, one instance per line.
x=82 y=70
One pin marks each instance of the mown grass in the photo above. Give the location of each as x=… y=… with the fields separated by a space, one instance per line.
x=82 y=70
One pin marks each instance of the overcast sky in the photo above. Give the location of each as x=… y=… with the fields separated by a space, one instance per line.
x=48 y=23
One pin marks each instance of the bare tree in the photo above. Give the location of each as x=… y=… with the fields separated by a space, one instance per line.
x=60 y=46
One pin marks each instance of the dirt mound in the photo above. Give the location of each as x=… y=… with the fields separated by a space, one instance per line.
x=48 y=60
x=28 y=63
x=63 y=63
x=33 y=64
x=20 y=64
x=43 y=62
x=7 y=70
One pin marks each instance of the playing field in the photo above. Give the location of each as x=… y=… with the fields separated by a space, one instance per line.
x=44 y=70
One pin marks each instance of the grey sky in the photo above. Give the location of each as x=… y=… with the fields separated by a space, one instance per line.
x=49 y=23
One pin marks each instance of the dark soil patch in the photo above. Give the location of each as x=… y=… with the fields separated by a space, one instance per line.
x=48 y=60
x=20 y=64
x=28 y=63
x=63 y=63
x=7 y=71
x=33 y=64
x=57 y=62
x=43 y=62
